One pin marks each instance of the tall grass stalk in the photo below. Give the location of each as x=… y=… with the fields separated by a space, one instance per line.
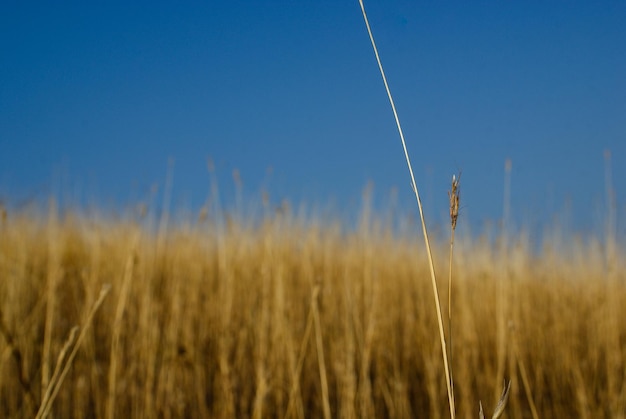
x=454 y=196
x=503 y=282
x=319 y=345
x=118 y=326
x=52 y=278
x=431 y=264
x=63 y=363
x=614 y=362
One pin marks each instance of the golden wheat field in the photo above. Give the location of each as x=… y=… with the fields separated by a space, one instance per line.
x=286 y=318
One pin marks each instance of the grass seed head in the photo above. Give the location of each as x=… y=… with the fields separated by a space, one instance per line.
x=454 y=194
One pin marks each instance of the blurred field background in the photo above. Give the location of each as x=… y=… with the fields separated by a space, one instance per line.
x=288 y=317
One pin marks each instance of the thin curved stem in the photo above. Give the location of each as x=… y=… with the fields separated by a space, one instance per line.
x=419 y=205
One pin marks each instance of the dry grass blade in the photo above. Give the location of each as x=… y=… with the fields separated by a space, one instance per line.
x=320 y=354
x=504 y=398
x=57 y=372
x=55 y=384
x=454 y=194
x=118 y=324
x=431 y=264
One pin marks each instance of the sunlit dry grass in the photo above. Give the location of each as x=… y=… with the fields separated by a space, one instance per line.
x=288 y=318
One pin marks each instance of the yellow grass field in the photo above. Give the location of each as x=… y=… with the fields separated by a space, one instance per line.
x=284 y=318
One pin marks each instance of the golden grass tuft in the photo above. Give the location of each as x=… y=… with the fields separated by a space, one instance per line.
x=292 y=319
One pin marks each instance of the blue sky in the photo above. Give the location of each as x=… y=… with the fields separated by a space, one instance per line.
x=97 y=97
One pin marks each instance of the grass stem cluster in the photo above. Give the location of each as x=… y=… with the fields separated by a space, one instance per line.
x=288 y=318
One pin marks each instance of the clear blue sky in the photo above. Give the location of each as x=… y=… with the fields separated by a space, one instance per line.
x=96 y=97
